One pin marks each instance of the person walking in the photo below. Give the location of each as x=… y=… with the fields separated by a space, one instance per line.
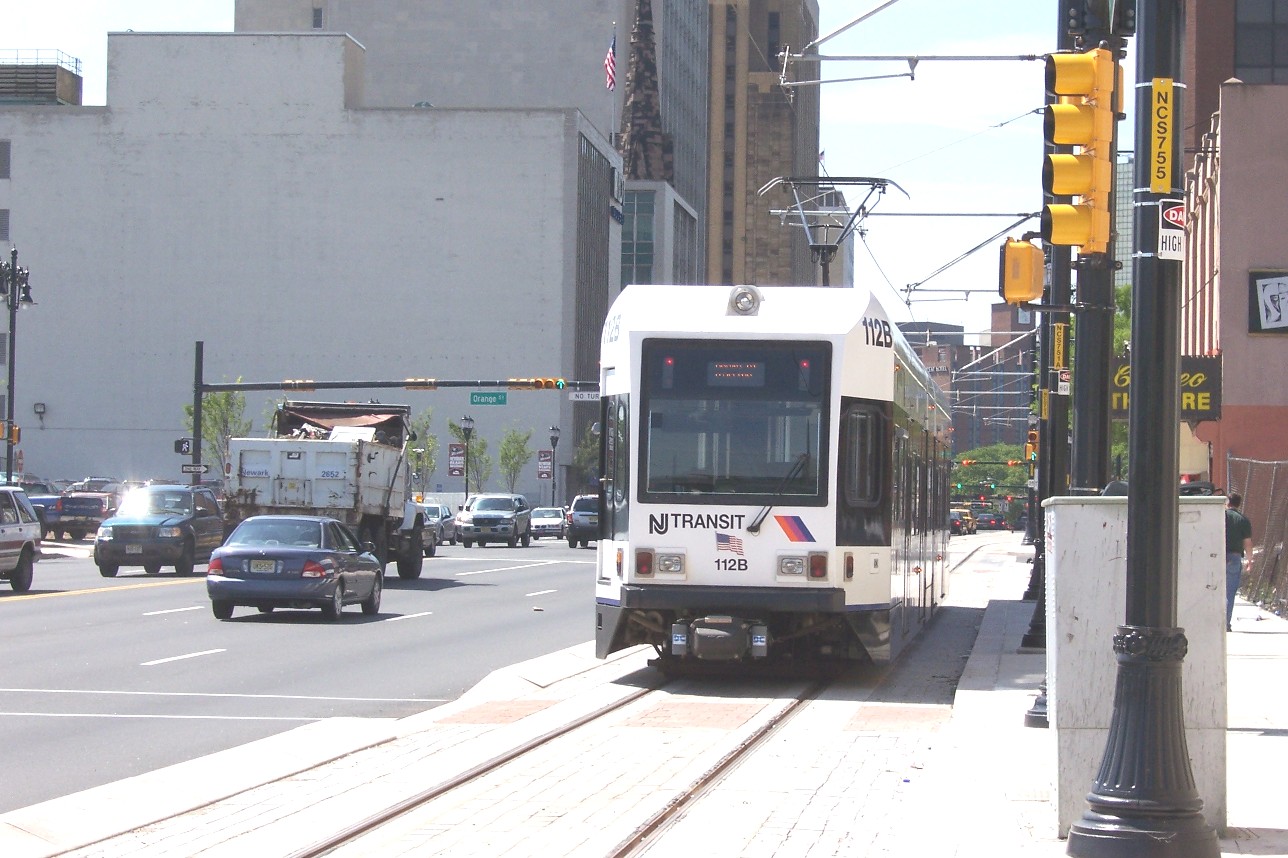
x=1238 y=551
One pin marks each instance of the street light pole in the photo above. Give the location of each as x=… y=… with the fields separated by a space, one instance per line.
x=15 y=289
x=554 y=466
x=467 y=429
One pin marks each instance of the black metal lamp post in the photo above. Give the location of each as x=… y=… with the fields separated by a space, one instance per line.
x=16 y=292
x=554 y=466
x=467 y=429
x=1143 y=802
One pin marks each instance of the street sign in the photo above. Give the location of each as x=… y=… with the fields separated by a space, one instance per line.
x=487 y=398
x=1171 y=229
x=194 y=469
x=583 y=396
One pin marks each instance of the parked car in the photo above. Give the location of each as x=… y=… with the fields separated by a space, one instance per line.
x=548 y=521
x=439 y=517
x=293 y=561
x=583 y=520
x=87 y=503
x=20 y=532
x=495 y=518
x=47 y=501
x=155 y=526
x=968 y=520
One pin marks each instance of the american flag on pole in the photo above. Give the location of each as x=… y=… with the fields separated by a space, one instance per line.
x=610 y=65
x=728 y=542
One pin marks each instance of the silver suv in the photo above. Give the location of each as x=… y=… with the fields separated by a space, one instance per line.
x=583 y=520
x=495 y=518
x=20 y=532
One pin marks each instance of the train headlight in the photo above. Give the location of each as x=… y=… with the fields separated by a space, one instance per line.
x=745 y=301
x=669 y=564
x=791 y=565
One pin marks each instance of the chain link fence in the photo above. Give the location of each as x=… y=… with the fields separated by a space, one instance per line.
x=1264 y=487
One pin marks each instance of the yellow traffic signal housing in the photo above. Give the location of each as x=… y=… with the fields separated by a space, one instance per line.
x=1083 y=117
x=1031 y=446
x=15 y=434
x=1022 y=272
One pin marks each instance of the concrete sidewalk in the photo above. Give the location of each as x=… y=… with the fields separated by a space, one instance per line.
x=848 y=776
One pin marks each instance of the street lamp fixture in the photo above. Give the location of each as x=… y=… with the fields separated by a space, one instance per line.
x=16 y=292
x=467 y=429
x=554 y=467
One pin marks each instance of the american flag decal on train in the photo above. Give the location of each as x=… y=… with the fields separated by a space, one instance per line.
x=727 y=542
x=794 y=528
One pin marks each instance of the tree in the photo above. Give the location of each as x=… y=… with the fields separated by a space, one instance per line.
x=513 y=454
x=222 y=417
x=583 y=470
x=424 y=462
x=991 y=476
x=479 y=464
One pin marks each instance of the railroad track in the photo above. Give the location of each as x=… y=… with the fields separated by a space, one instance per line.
x=558 y=810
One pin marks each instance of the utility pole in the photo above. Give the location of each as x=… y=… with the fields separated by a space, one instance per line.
x=1143 y=801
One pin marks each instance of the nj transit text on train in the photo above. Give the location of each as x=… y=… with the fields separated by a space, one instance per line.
x=694 y=521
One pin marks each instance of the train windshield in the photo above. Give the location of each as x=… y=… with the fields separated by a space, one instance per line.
x=734 y=421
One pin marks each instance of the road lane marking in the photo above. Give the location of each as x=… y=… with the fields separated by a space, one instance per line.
x=181 y=657
x=223 y=694
x=174 y=610
x=539 y=593
x=508 y=568
x=138 y=586
x=408 y=616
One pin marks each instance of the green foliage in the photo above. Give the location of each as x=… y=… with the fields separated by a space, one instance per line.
x=583 y=471
x=513 y=454
x=479 y=463
x=1122 y=319
x=222 y=417
x=423 y=452
x=991 y=476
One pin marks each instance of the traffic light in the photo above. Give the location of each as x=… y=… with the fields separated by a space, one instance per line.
x=1013 y=462
x=1031 y=446
x=1021 y=272
x=537 y=384
x=15 y=433
x=966 y=463
x=183 y=446
x=1084 y=117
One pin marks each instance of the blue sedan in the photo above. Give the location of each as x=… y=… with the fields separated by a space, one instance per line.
x=293 y=561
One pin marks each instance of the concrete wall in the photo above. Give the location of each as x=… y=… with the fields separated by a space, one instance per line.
x=230 y=193
x=1086 y=602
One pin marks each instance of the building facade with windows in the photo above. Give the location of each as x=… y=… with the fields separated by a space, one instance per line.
x=239 y=190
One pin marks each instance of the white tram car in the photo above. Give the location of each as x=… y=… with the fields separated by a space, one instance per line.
x=775 y=477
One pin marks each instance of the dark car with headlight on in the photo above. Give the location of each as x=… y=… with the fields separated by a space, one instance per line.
x=293 y=561
x=157 y=526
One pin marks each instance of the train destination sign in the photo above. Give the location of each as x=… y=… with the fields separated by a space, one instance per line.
x=1200 y=388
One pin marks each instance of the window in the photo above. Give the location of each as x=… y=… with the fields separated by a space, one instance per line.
x=4 y=224
x=317 y=18
x=5 y=148
x=1261 y=41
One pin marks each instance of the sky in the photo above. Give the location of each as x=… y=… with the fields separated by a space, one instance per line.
x=959 y=138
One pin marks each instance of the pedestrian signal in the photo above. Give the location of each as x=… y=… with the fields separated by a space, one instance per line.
x=1021 y=272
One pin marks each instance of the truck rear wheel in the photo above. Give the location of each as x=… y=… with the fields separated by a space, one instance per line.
x=410 y=563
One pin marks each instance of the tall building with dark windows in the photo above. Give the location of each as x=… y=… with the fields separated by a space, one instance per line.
x=758 y=132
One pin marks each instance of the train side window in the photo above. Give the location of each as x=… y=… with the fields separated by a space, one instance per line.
x=862 y=477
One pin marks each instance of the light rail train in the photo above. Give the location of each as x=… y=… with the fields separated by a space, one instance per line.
x=775 y=480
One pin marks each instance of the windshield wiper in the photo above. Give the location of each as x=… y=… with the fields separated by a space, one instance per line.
x=801 y=461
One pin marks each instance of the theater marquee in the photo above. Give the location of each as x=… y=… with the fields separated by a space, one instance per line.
x=1200 y=388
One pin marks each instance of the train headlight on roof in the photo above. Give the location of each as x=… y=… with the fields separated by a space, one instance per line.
x=745 y=301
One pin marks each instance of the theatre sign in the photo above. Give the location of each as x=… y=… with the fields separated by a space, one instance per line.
x=1200 y=388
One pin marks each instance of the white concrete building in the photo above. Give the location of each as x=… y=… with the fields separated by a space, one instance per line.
x=237 y=190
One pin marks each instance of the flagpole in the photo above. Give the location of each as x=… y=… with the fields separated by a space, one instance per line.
x=612 y=88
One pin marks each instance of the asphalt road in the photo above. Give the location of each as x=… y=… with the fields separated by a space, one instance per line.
x=103 y=678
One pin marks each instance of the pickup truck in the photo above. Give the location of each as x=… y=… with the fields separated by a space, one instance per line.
x=48 y=502
x=87 y=503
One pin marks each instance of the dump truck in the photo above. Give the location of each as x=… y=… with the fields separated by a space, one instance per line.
x=345 y=460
